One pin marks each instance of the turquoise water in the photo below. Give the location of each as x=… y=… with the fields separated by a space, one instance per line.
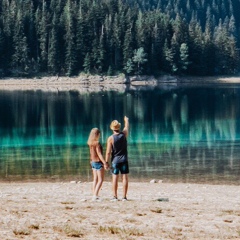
x=184 y=134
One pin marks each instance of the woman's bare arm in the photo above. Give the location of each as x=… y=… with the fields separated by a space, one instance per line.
x=99 y=153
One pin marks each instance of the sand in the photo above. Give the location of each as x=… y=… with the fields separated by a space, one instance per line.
x=64 y=210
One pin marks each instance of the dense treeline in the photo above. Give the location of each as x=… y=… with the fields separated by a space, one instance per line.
x=197 y=37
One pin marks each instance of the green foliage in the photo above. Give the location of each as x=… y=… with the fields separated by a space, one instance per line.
x=110 y=71
x=66 y=37
x=20 y=60
x=53 y=54
x=129 y=66
x=87 y=63
x=43 y=32
x=139 y=58
x=184 y=62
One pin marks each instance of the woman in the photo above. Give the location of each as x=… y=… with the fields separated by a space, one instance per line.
x=97 y=161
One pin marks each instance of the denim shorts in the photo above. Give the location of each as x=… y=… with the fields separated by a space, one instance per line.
x=96 y=165
x=120 y=167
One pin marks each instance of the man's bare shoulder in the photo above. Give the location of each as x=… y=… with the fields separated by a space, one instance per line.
x=110 y=138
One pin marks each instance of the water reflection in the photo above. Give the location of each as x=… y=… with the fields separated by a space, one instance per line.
x=182 y=134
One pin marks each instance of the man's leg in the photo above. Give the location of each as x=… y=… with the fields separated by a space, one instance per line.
x=114 y=184
x=125 y=184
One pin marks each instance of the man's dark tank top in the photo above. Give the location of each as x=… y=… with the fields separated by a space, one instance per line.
x=119 y=148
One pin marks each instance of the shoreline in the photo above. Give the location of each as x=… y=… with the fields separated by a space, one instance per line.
x=64 y=210
x=120 y=83
x=55 y=179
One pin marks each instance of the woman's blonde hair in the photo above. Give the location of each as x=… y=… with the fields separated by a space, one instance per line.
x=93 y=137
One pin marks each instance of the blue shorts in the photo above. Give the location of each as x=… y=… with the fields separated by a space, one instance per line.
x=96 y=165
x=120 y=167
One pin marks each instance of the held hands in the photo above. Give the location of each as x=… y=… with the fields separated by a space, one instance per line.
x=106 y=166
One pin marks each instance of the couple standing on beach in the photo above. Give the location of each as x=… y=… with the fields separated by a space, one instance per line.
x=117 y=147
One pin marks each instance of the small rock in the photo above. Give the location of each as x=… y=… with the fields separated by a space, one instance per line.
x=160 y=181
x=163 y=199
x=153 y=181
x=228 y=220
x=73 y=182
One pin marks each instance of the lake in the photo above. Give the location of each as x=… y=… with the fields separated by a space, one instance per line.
x=177 y=134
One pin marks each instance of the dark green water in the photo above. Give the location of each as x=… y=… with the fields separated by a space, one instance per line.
x=181 y=134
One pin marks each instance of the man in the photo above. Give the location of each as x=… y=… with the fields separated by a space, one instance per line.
x=117 y=146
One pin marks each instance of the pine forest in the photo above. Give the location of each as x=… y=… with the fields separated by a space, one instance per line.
x=70 y=37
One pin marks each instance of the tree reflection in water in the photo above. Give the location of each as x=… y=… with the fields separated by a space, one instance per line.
x=182 y=134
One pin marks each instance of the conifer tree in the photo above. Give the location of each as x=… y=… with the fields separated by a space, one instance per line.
x=221 y=42
x=43 y=35
x=127 y=46
x=2 y=43
x=139 y=58
x=109 y=43
x=101 y=61
x=140 y=36
x=53 y=52
x=129 y=43
x=232 y=27
x=167 y=57
x=184 y=57
x=196 y=49
x=117 y=40
x=158 y=38
x=8 y=17
x=174 y=51
x=70 y=38
x=209 y=52
x=84 y=32
x=87 y=63
x=80 y=46
x=30 y=31
x=129 y=67
x=20 y=56
x=110 y=71
x=180 y=30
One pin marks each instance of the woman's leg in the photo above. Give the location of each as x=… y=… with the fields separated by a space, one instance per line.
x=95 y=180
x=100 y=176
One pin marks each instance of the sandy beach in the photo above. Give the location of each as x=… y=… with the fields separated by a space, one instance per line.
x=64 y=210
